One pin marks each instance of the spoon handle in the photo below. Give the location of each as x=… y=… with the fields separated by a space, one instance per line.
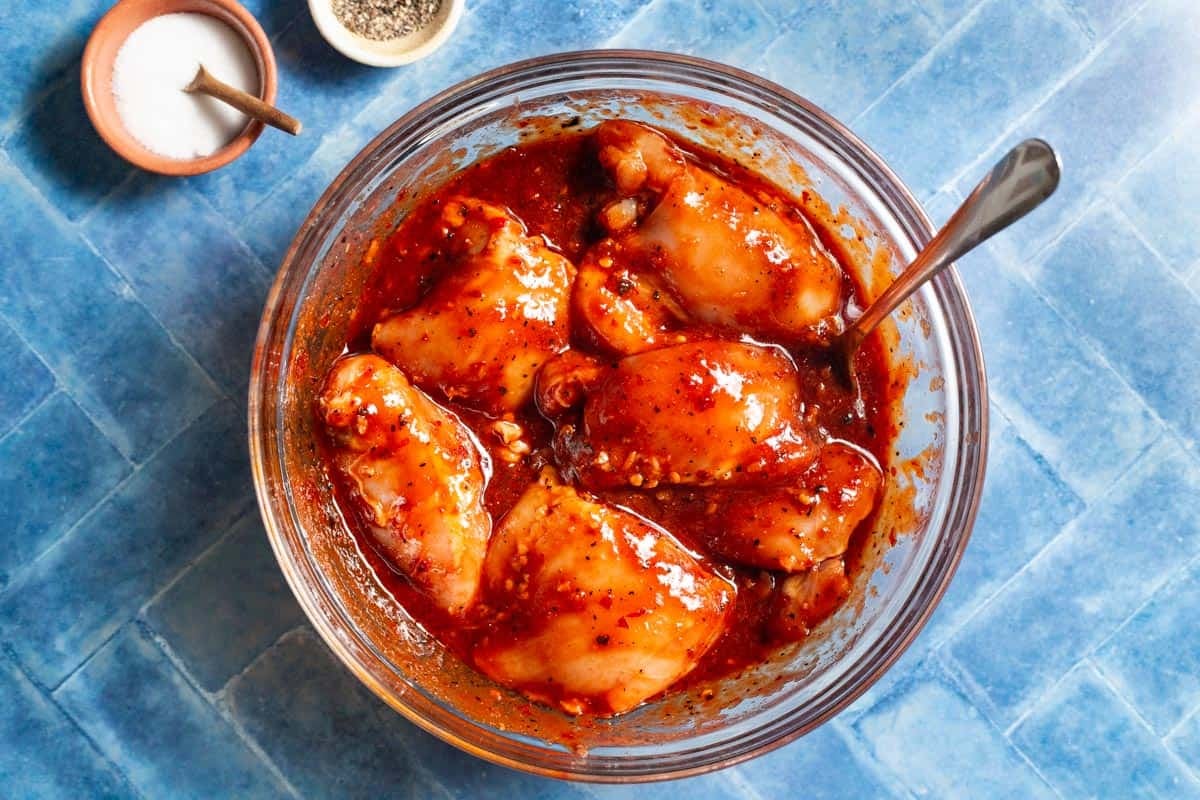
x=248 y=104
x=1019 y=183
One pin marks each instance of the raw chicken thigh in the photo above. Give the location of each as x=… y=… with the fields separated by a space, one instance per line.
x=702 y=413
x=415 y=476
x=599 y=609
x=731 y=258
x=793 y=528
x=499 y=313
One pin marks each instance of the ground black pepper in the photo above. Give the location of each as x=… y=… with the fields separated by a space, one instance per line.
x=381 y=20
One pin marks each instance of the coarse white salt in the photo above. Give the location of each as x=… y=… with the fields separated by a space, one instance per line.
x=158 y=60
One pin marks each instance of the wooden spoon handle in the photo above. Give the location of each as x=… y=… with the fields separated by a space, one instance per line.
x=204 y=83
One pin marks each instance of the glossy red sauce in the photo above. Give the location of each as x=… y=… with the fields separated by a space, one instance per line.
x=556 y=186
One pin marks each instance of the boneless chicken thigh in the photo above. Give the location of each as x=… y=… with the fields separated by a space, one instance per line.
x=500 y=311
x=804 y=600
x=703 y=413
x=600 y=609
x=623 y=310
x=414 y=475
x=792 y=528
x=731 y=258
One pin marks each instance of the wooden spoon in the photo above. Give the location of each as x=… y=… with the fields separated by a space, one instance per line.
x=205 y=83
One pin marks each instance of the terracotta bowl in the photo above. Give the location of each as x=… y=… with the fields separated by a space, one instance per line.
x=97 y=70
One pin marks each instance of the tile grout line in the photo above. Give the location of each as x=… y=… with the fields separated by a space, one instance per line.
x=1179 y=571
x=25 y=570
x=212 y=699
x=1142 y=720
x=186 y=568
x=1033 y=704
x=949 y=34
x=628 y=26
x=187 y=354
x=60 y=386
x=883 y=774
x=28 y=105
x=88 y=659
x=1088 y=657
x=1098 y=47
x=220 y=700
x=1189 y=715
x=48 y=696
x=57 y=216
x=1090 y=661
x=40 y=404
x=104 y=199
x=739 y=783
x=1003 y=404
x=1006 y=736
x=1114 y=205
x=944 y=649
x=958 y=679
x=1084 y=339
x=984 y=604
x=297 y=630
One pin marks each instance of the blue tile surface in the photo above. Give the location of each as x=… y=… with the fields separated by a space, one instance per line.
x=59 y=467
x=1074 y=736
x=1100 y=17
x=228 y=608
x=1153 y=660
x=137 y=590
x=91 y=581
x=960 y=98
x=776 y=774
x=170 y=741
x=29 y=381
x=1119 y=311
x=76 y=314
x=58 y=149
x=1151 y=194
x=45 y=755
x=1083 y=585
x=1105 y=118
x=1025 y=505
x=329 y=734
x=1051 y=383
x=842 y=56
x=42 y=43
x=936 y=743
x=733 y=32
x=1184 y=742
x=198 y=280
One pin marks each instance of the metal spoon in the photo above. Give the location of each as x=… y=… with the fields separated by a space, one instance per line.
x=1016 y=185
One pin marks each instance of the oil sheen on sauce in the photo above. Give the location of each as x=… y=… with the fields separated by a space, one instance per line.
x=555 y=185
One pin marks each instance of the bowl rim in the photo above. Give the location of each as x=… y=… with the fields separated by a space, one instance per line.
x=109 y=126
x=348 y=45
x=966 y=509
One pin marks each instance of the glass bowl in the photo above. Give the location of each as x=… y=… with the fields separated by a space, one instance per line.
x=936 y=468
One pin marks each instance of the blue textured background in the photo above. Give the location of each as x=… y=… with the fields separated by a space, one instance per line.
x=150 y=646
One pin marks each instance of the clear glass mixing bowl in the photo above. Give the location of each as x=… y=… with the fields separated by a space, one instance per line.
x=936 y=469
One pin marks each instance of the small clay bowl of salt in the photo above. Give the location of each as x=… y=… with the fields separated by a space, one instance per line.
x=386 y=33
x=137 y=62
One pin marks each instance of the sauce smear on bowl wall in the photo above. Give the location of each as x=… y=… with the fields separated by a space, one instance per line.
x=614 y=460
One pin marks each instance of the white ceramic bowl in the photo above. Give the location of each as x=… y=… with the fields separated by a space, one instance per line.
x=393 y=52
